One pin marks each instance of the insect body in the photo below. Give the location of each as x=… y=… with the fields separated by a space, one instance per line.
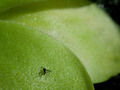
x=45 y=70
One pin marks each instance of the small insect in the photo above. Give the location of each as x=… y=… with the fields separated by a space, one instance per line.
x=45 y=70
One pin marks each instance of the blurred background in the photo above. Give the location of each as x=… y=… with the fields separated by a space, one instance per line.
x=112 y=7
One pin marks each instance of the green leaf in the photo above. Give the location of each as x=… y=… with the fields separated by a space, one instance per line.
x=25 y=51
x=87 y=31
x=8 y=4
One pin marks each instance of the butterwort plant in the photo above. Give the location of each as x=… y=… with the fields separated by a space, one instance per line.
x=56 y=44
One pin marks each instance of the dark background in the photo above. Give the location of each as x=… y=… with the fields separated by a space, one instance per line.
x=112 y=7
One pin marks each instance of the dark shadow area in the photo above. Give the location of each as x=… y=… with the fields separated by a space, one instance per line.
x=111 y=84
x=112 y=7
x=45 y=5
